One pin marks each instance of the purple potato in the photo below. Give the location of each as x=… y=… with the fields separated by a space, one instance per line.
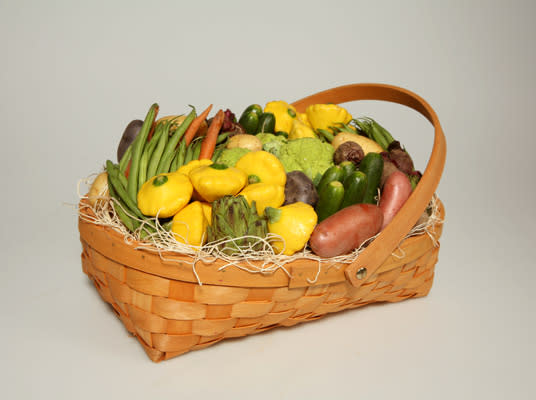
x=130 y=133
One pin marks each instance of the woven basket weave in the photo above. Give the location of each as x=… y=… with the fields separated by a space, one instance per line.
x=162 y=304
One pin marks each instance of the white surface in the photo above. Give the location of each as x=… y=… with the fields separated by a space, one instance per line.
x=72 y=76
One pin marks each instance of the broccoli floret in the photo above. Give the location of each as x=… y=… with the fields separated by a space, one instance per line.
x=271 y=143
x=309 y=155
x=229 y=157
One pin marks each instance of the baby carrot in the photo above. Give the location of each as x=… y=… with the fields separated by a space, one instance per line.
x=194 y=126
x=209 y=143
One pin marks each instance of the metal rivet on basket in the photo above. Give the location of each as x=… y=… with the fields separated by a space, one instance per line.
x=361 y=273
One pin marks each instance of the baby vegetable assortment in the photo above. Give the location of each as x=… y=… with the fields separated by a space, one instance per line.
x=319 y=180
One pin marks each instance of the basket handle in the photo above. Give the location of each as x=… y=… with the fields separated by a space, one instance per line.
x=379 y=249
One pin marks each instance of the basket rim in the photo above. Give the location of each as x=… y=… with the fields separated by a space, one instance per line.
x=169 y=265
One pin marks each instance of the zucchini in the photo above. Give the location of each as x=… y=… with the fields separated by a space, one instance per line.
x=249 y=120
x=355 y=185
x=266 y=123
x=348 y=167
x=334 y=173
x=372 y=167
x=330 y=199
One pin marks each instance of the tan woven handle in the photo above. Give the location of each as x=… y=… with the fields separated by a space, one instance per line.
x=382 y=247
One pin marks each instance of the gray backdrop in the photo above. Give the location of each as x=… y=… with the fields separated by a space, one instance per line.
x=73 y=74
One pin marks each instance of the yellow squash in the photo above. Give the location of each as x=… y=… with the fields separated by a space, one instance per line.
x=294 y=223
x=324 y=116
x=262 y=167
x=214 y=181
x=190 y=224
x=264 y=195
x=300 y=130
x=284 y=114
x=164 y=195
x=185 y=169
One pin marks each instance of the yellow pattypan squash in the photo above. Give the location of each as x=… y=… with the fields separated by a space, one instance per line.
x=262 y=167
x=284 y=114
x=190 y=224
x=185 y=169
x=207 y=209
x=300 y=130
x=302 y=117
x=264 y=195
x=324 y=116
x=294 y=223
x=217 y=180
x=164 y=195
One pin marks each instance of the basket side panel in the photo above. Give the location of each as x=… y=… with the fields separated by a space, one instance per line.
x=171 y=317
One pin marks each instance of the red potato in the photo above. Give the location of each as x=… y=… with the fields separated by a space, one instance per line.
x=396 y=191
x=346 y=230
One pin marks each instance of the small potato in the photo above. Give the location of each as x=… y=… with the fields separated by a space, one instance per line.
x=246 y=141
x=130 y=133
x=300 y=188
x=366 y=144
x=396 y=191
x=346 y=230
x=99 y=189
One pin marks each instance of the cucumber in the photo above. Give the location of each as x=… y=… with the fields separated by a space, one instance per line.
x=355 y=185
x=266 y=123
x=348 y=167
x=329 y=200
x=334 y=173
x=372 y=167
x=249 y=120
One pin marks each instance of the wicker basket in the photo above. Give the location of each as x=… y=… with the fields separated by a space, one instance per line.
x=163 y=305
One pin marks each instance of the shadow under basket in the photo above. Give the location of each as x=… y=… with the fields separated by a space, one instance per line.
x=162 y=304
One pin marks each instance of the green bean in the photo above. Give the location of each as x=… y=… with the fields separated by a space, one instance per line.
x=181 y=154
x=115 y=180
x=327 y=134
x=222 y=137
x=174 y=163
x=147 y=153
x=137 y=149
x=123 y=179
x=385 y=133
x=365 y=127
x=217 y=152
x=123 y=164
x=378 y=138
x=189 y=153
x=167 y=225
x=197 y=150
x=142 y=176
x=131 y=223
x=147 y=229
x=169 y=152
x=157 y=153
